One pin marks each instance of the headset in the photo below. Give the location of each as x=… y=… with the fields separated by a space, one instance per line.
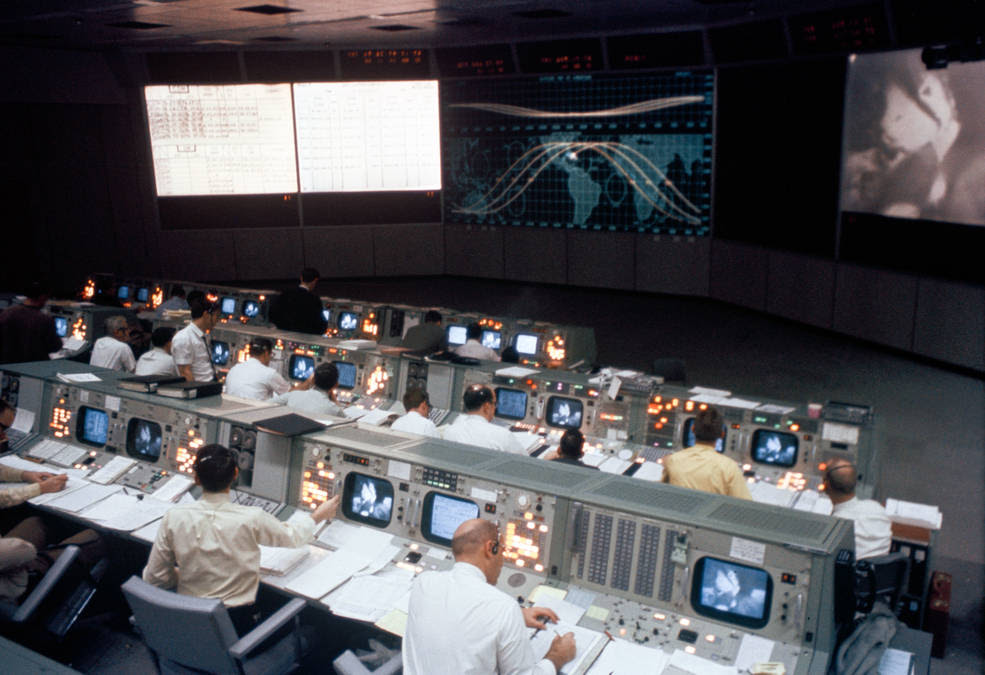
x=829 y=471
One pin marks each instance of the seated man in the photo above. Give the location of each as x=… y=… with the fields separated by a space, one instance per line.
x=459 y=622
x=158 y=361
x=254 y=378
x=873 y=529
x=38 y=482
x=416 y=420
x=112 y=351
x=572 y=449
x=426 y=337
x=216 y=544
x=177 y=301
x=475 y=426
x=473 y=347
x=316 y=396
x=700 y=467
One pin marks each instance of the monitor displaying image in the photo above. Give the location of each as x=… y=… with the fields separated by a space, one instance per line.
x=347 y=374
x=367 y=499
x=220 y=352
x=143 y=294
x=688 y=439
x=564 y=413
x=61 y=326
x=123 y=293
x=251 y=308
x=144 y=439
x=228 y=306
x=301 y=367
x=457 y=335
x=731 y=592
x=511 y=404
x=326 y=314
x=92 y=427
x=774 y=447
x=442 y=514
x=348 y=321
x=526 y=344
x=491 y=339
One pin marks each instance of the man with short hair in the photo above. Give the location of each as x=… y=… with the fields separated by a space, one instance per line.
x=475 y=426
x=158 y=360
x=427 y=337
x=473 y=347
x=254 y=378
x=190 y=348
x=216 y=544
x=873 y=529
x=459 y=622
x=572 y=449
x=316 y=396
x=112 y=351
x=416 y=420
x=26 y=332
x=299 y=309
x=700 y=467
x=175 y=302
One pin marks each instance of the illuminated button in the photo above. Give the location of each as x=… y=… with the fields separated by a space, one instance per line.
x=543 y=528
x=538 y=567
x=690 y=649
x=710 y=637
x=528 y=516
x=320 y=465
x=685 y=622
x=659 y=616
x=622 y=631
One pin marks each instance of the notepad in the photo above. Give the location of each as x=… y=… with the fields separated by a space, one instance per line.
x=279 y=561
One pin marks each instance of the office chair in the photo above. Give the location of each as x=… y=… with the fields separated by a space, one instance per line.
x=883 y=578
x=194 y=635
x=671 y=370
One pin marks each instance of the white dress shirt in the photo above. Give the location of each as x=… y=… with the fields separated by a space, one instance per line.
x=475 y=430
x=312 y=401
x=476 y=350
x=873 y=529
x=156 y=362
x=108 y=352
x=414 y=423
x=459 y=623
x=216 y=545
x=252 y=379
x=188 y=347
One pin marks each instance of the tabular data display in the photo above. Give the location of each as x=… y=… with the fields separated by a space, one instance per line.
x=221 y=139
x=367 y=136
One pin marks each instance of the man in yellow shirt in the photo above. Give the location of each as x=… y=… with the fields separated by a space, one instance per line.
x=700 y=467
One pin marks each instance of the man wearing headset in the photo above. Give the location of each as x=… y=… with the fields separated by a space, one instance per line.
x=476 y=426
x=873 y=531
x=459 y=622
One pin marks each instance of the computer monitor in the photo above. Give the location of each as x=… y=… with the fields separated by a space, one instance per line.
x=367 y=499
x=457 y=335
x=123 y=293
x=228 y=306
x=688 y=439
x=731 y=592
x=491 y=339
x=144 y=439
x=347 y=374
x=564 y=413
x=220 y=352
x=301 y=367
x=442 y=514
x=143 y=293
x=525 y=344
x=61 y=326
x=92 y=427
x=326 y=314
x=251 y=308
x=348 y=321
x=777 y=448
x=511 y=404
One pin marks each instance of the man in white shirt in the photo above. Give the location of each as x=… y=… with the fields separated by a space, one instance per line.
x=473 y=346
x=459 y=622
x=216 y=544
x=416 y=420
x=873 y=529
x=475 y=427
x=254 y=378
x=189 y=346
x=158 y=361
x=176 y=301
x=111 y=351
x=316 y=396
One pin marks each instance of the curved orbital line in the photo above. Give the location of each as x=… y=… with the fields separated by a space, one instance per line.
x=631 y=109
x=557 y=147
x=621 y=149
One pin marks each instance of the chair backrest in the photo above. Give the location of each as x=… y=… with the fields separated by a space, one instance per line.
x=50 y=589
x=182 y=630
x=881 y=578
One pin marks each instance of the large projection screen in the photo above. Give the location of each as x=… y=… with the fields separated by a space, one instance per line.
x=221 y=139
x=914 y=143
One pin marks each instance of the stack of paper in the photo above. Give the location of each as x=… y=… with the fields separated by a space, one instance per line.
x=587 y=643
x=114 y=468
x=614 y=465
x=910 y=513
x=370 y=597
x=358 y=549
x=278 y=560
x=126 y=512
x=652 y=471
x=87 y=496
x=172 y=490
x=767 y=493
x=627 y=658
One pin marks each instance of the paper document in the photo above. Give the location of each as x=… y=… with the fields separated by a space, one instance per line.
x=371 y=597
x=337 y=533
x=708 y=398
x=126 y=512
x=69 y=455
x=279 y=560
x=113 y=469
x=23 y=420
x=357 y=344
x=776 y=409
x=375 y=417
x=614 y=465
x=566 y=611
x=45 y=449
x=720 y=393
x=911 y=513
x=71 y=485
x=896 y=662
x=839 y=433
x=652 y=471
x=79 y=499
x=333 y=571
x=739 y=403
x=594 y=458
x=78 y=377
x=516 y=371
x=752 y=650
x=628 y=658
x=767 y=493
x=176 y=486
x=148 y=533
x=585 y=640
x=395 y=622
x=71 y=344
x=697 y=665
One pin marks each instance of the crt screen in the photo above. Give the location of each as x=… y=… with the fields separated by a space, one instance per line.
x=443 y=514
x=348 y=321
x=93 y=426
x=526 y=344
x=220 y=352
x=491 y=339
x=688 y=436
x=732 y=592
x=456 y=335
x=123 y=292
x=251 y=308
x=228 y=306
x=61 y=326
x=367 y=499
x=511 y=403
x=144 y=439
x=774 y=447
x=347 y=374
x=326 y=314
x=143 y=294
x=564 y=413
x=302 y=367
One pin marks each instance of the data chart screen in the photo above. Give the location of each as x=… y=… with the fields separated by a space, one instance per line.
x=368 y=136
x=221 y=139
x=585 y=151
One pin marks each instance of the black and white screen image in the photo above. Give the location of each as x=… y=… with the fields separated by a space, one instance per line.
x=774 y=447
x=367 y=499
x=142 y=294
x=914 y=139
x=733 y=592
x=228 y=306
x=564 y=413
x=491 y=339
x=144 y=439
x=526 y=344
x=347 y=374
x=511 y=403
x=443 y=515
x=220 y=353
x=61 y=326
x=348 y=321
x=456 y=335
x=302 y=367
x=123 y=292
x=93 y=425
x=326 y=314
x=251 y=308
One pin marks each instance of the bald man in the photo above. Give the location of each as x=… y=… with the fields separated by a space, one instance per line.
x=459 y=622
x=873 y=530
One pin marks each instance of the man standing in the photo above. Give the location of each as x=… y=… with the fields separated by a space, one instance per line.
x=459 y=622
x=189 y=346
x=700 y=467
x=299 y=309
x=112 y=351
x=873 y=529
x=27 y=333
x=475 y=427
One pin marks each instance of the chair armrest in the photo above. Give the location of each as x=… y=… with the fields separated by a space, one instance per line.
x=271 y=625
x=48 y=582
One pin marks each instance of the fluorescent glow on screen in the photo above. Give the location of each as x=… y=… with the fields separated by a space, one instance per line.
x=368 y=136
x=221 y=139
x=457 y=335
x=914 y=139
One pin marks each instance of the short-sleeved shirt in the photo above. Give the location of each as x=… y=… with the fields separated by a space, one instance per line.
x=311 y=401
x=414 y=423
x=108 y=352
x=476 y=430
x=156 y=362
x=700 y=467
x=189 y=347
x=252 y=379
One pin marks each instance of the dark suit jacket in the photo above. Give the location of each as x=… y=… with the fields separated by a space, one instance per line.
x=297 y=310
x=27 y=334
x=425 y=338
